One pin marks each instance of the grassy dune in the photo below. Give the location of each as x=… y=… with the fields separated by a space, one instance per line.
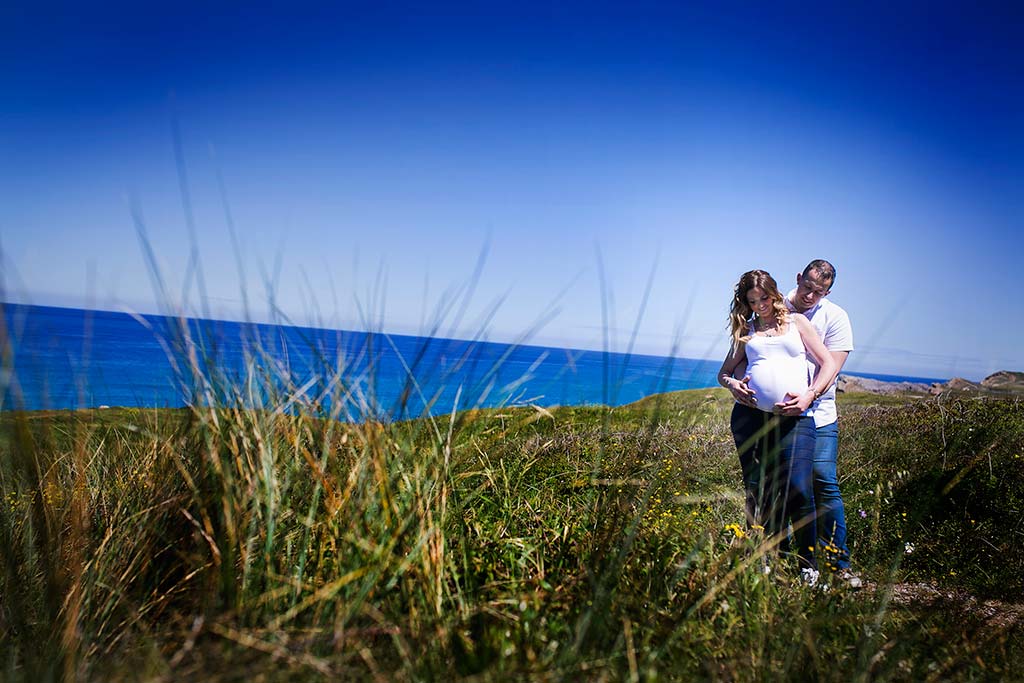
x=576 y=543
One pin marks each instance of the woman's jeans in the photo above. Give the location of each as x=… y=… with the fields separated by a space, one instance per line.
x=777 y=458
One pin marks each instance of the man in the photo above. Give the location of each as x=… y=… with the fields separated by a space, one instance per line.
x=833 y=326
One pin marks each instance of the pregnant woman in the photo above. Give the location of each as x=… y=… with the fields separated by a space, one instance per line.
x=771 y=421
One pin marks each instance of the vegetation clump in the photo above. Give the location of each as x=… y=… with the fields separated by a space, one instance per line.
x=234 y=542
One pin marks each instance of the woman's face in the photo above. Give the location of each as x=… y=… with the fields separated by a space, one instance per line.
x=760 y=302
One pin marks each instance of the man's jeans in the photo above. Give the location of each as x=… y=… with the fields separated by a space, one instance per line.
x=776 y=456
x=831 y=513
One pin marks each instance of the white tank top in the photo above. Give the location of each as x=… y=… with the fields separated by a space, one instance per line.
x=777 y=365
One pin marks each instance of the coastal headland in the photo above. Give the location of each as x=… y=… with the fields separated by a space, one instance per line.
x=1002 y=383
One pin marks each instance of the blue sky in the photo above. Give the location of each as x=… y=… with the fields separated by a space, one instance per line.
x=369 y=153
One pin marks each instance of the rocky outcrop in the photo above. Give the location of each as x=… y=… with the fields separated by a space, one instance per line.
x=997 y=384
x=957 y=385
x=849 y=384
x=1004 y=380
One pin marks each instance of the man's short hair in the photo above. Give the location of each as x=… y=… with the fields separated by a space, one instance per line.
x=826 y=271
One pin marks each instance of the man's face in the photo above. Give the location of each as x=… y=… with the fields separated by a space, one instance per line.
x=810 y=290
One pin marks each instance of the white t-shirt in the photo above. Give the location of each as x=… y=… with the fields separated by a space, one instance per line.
x=833 y=326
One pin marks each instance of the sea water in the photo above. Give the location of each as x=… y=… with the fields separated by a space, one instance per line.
x=66 y=358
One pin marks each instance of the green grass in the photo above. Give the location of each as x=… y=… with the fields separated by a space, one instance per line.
x=577 y=543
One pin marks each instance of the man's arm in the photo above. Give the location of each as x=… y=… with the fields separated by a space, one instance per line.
x=790 y=407
x=839 y=335
x=795 y=404
x=840 y=358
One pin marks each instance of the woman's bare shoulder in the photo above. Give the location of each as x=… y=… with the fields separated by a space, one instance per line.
x=802 y=323
x=799 y=318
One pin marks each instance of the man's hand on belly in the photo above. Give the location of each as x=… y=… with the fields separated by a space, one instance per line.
x=795 y=404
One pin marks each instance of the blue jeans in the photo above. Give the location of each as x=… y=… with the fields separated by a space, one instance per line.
x=777 y=458
x=831 y=513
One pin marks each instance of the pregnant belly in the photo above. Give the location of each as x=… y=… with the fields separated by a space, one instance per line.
x=771 y=382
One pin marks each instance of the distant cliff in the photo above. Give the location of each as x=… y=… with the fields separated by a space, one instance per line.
x=997 y=384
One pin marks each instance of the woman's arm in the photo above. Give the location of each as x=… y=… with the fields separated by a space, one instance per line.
x=739 y=388
x=795 y=405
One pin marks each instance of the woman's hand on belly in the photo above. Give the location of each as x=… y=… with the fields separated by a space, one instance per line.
x=741 y=391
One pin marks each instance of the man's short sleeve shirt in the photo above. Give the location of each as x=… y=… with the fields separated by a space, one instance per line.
x=833 y=326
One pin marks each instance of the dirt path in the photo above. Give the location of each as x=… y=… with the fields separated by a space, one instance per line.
x=996 y=614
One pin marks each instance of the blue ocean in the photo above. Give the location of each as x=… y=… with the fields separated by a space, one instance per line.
x=65 y=358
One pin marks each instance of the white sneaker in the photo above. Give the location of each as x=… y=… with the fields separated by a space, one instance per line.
x=851 y=579
x=809 y=576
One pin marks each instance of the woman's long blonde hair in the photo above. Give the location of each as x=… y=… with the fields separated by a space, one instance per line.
x=740 y=312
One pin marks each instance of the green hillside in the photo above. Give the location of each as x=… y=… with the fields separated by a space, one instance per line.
x=576 y=543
